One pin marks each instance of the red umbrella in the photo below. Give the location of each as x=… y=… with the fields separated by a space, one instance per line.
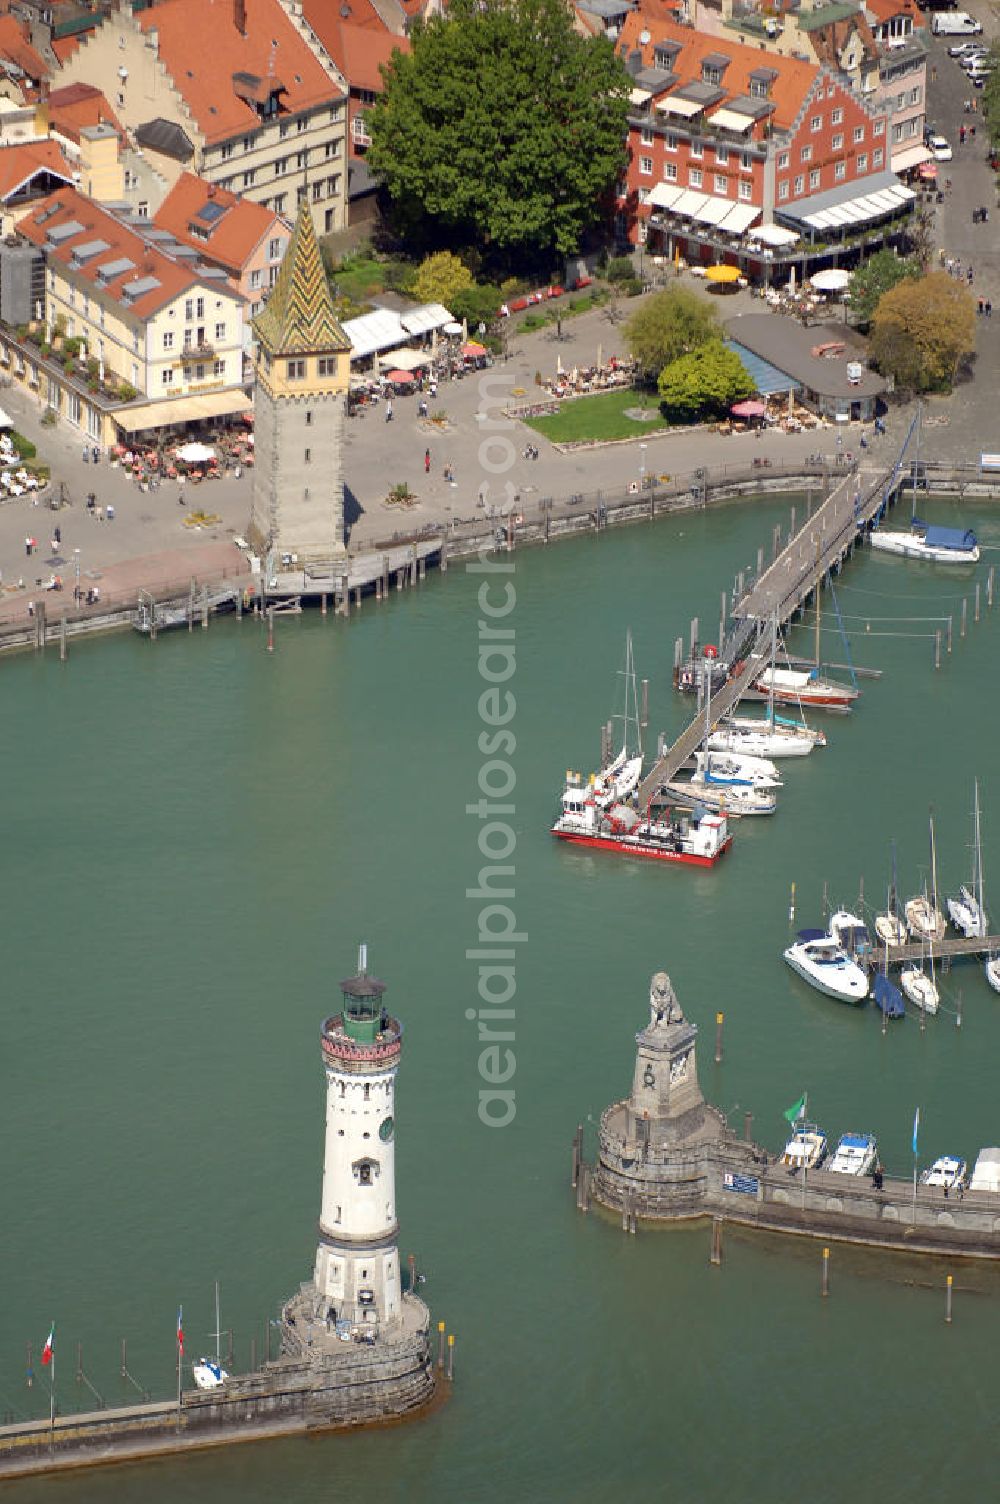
x=473 y=349
x=248 y=418
x=750 y=409
x=401 y=378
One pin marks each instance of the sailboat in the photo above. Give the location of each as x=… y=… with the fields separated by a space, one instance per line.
x=889 y=927
x=788 y=686
x=723 y=795
x=923 y=917
x=967 y=912
x=772 y=736
x=619 y=780
x=920 y=988
x=208 y=1372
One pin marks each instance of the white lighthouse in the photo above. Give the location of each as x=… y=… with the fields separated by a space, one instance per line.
x=357 y=1261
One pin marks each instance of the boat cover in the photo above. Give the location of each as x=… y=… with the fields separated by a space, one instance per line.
x=888 y=997
x=962 y=540
x=812 y=935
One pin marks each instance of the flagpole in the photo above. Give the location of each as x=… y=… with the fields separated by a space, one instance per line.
x=52 y=1398
x=180 y=1360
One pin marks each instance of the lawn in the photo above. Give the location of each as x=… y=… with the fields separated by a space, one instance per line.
x=600 y=417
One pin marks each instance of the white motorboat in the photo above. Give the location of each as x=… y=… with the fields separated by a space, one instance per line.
x=850 y=933
x=819 y=960
x=967 y=912
x=208 y=1373
x=992 y=970
x=730 y=768
x=696 y=838
x=723 y=799
x=806 y=1149
x=857 y=1154
x=947 y=1171
x=935 y=545
x=920 y=988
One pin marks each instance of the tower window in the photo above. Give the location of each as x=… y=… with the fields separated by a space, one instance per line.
x=367 y=1091
x=296 y=370
x=365 y=1174
x=308 y=456
x=309 y=418
x=338 y=1213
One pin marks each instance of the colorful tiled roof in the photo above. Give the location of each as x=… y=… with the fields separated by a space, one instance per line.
x=14 y=45
x=789 y=88
x=19 y=164
x=203 y=48
x=298 y=315
x=358 y=44
x=220 y=224
x=76 y=106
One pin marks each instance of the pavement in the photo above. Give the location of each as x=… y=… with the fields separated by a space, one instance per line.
x=148 y=535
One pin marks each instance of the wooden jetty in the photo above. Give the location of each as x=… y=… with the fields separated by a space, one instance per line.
x=938 y=950
x=815 y=549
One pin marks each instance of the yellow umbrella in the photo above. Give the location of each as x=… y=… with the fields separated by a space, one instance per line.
x=722 y=273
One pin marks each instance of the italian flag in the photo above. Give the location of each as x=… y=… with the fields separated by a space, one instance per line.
x=49 y=1350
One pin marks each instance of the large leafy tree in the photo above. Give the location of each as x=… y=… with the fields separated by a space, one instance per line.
x=921 y=331
x=440 y=278
x=502 y=128
x=704 y=384
x=667 y=326
x=879 y=273
x=991 y=97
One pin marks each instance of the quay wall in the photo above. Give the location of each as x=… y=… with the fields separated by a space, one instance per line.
x=730 y=1178
x=359 y=1386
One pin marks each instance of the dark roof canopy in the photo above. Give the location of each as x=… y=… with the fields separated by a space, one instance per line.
x=166 y=138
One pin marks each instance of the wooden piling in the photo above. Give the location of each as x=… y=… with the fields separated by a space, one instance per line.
x=270 y=629
x=577 y=1155
x=825 y=1281
x=440 y=1357
x=678 y=660
x=62 y=639
x=747 y=1126
x=411 y=1264
x=965 y=615
x=948 y=1288
x=204 y=609
x=413 y=564
x=190 y=610
x=716 y=1255
x=989 y=586
x=644 y=707
x=422 y=570
x=791 y=526
x=950 y=626
x=253 y=1353
x=720 y=1019
x=740 y=580
x=723 y=618
x=760 y=562
x=976 y=609
x=776 y=541
x=937 y=647
x=444 y=547
x=694 y=635
x=357 y=599
x=322 y=604
x=451 y=1357
x=40 y=626
x=400 y=574
x=583 y=1189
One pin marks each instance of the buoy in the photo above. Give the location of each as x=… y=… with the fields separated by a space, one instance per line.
x=710 y=651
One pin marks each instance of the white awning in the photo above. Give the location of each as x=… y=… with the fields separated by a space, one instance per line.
x=731 y=120
x=665 y=195
x=686 y=107
x=774 y=235
x=197 y=408
x=910 y=156
x=639 y=96
x=426 y=318
x=840 y=206
x=689 y=203
x=739 y=218
x=376 y=331
x=904 y=194
x=715 y=211
x=405 y=360
x=6 y=421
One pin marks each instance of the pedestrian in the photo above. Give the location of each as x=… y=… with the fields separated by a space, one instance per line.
x=388 y=411
x=27 y=547
x=961 y=129
x=31 y=608
x=972 y=133
x=989 y=308
x=54 y=545
x=968 y=276
x=110 y=513
x=427 y=454
x=933 y=74
x=57 y=535
x=99 y=513
x=981 y=307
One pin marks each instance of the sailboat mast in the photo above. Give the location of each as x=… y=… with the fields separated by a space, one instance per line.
x=218 y=1334
x=819 y=607
x=983 y=927
x=934 y=894
x=774 y=655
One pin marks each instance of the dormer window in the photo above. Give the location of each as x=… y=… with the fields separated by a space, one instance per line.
x=711 y=74
x=760 y=88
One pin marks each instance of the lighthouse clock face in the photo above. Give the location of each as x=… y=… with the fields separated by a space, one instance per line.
x=385 y=1130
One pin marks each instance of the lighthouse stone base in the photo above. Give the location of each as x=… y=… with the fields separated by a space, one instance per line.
x=353 y=1382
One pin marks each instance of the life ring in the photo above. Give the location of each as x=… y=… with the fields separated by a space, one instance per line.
x=710 y=651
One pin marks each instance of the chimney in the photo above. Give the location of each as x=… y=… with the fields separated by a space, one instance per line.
x=240 y=16
x=211 y=190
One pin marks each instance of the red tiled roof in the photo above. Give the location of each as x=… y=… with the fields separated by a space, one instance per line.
x=123 y=244
x=202 y=48
x=14 y=45
x=884 y=10
x=233 y=236
x=64 y=47
x=76 y=106
x=357 y=44
x=18 y=164
x=788 y=90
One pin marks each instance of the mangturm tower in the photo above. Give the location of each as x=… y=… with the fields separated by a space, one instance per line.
x=365 y=1340
x=302 y=371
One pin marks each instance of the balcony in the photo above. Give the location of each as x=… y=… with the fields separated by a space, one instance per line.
x=200 y=351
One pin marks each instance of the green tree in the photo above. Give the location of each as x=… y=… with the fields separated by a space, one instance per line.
x=991 y=97
x=669 y=325
x=479 y=303
x=440 y=278
x=879 y=273
x=502 y=128
x=921 y=330
x=704 y=384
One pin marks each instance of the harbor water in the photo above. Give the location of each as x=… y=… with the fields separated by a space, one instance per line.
x=197 y=836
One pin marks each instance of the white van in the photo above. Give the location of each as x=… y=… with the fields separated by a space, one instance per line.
x=956 y=23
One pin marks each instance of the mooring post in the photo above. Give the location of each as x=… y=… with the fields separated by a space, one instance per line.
x=400 y=576
x=825 y=1282
x=322 y=604
x=583 y=1190
x=29 y=1373
x=937 y=647
x=958 y=1009
x=950 y=625
x=760 y=562
x=413 y=564
x=949 y=1286
x=577 y=1155
x=716 y=1256
x=422 y=569
x=747 y=1125
x=644 y=707
x=40 y=626
x=451 y=1357
x=253 y=1353
x=444 y=548
x=411 y=1264
x=440 y=1344
x=626 y=1209
x=723 y=617
x=270 y=629
x=989 y=586
x=720 y=1019
x=124 y=1359
x=190 y=612
x=977 y=605
x=62 y=639
x=791 y=526
x=357 y=599
x=678 y=660
x=776 y=542
x=694 y=635
x=204 y=608
x=740 y=582
x=965 y=614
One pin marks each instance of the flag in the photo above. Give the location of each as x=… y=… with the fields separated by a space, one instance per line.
x=797 y=1110
x=48 y=1351
x=916 y=1128
x=180 y=1330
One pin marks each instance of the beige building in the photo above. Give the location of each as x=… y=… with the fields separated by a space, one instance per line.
x=238 y=91
x=128 y=317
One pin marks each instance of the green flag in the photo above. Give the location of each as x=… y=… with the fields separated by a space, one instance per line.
x=797 y=1110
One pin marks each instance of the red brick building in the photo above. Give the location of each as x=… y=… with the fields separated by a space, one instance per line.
x=725 y=141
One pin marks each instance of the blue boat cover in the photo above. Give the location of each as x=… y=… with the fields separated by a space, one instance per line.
x=962 y=540
x=856 y=1140
x=888 y=997
x=812 y=935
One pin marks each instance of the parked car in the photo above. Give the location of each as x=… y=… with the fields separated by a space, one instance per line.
x=962 y=48
x=939 y=149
